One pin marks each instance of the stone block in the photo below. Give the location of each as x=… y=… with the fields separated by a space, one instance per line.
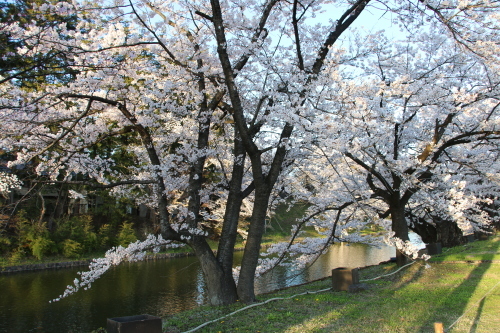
x=134 y=324
x=434 y=248
x=343 y=277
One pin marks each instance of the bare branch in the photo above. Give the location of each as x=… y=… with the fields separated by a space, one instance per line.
x=210 y=18
x=343 y=23
x=97 y=185
x=295 y=23
x=371 y=170
x=76 y=121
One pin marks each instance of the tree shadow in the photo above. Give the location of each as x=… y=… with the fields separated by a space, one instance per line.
x=411 y=300
x=458 y=299
x=405 y=305
x=477 y=317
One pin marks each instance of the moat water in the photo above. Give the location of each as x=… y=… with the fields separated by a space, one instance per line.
x=159 y=288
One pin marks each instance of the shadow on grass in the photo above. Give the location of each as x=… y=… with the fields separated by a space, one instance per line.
x=453 y=305
x=408 y=301
x=478 y=317
x=457 y=301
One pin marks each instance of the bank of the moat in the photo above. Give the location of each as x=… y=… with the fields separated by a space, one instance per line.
x=78 y=263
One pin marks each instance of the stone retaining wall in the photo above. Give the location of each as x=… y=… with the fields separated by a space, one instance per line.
x=36 y=267
x=67 y=264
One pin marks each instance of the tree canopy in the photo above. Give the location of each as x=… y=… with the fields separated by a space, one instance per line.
x=222 y=106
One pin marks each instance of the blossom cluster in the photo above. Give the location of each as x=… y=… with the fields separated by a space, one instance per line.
x=133 y=252
x=406 y=247
x=8 y=182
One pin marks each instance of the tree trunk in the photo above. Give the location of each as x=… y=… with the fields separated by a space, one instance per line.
x=449 y=234
x=425 y=230
x=233 y=207
x=399 y=226
x=246 y=280
x=58 y=210
x=445 y=232
x=220 y=285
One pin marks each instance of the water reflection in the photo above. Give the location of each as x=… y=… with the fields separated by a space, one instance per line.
x=339 y=255
x=157 y=287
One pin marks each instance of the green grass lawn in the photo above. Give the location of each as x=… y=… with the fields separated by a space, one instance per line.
x=464 y=296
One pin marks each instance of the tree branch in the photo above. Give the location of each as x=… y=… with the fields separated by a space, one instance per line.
x=371 y=170
x=84 y=113
x=295 y=22
x=343 y=23
x=97 y=185
x=303 y=222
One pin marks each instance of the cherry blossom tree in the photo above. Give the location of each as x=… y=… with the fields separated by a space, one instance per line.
x=423 y=143
x=219 y=103
x=30 y=70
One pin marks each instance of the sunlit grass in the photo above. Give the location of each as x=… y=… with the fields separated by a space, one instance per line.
x=478 y=250
x=411 y=300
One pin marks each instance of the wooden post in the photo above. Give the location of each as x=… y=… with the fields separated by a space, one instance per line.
x=343 y=277
x=438 y=328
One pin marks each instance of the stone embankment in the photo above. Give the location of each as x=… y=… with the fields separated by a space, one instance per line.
x=48 y=265
x=77 y=263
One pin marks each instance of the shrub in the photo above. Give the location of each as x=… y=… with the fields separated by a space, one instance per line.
x=79 y=229
x=105 y=237
x=126 y=234
x=71 y=248
x=16 y=256
x=90 y=243
x=41 y=246
x=5 y=244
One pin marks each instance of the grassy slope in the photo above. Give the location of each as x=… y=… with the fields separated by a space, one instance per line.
x=411 y=300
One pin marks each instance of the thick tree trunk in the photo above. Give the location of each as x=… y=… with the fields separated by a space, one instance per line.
x=220 y=286
x=445 y=232
x=217 y=270
x=233 y=207
x=425 y=230
x=263 y=188
x=246 y=280
x=399 y=226
x=449 y=234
